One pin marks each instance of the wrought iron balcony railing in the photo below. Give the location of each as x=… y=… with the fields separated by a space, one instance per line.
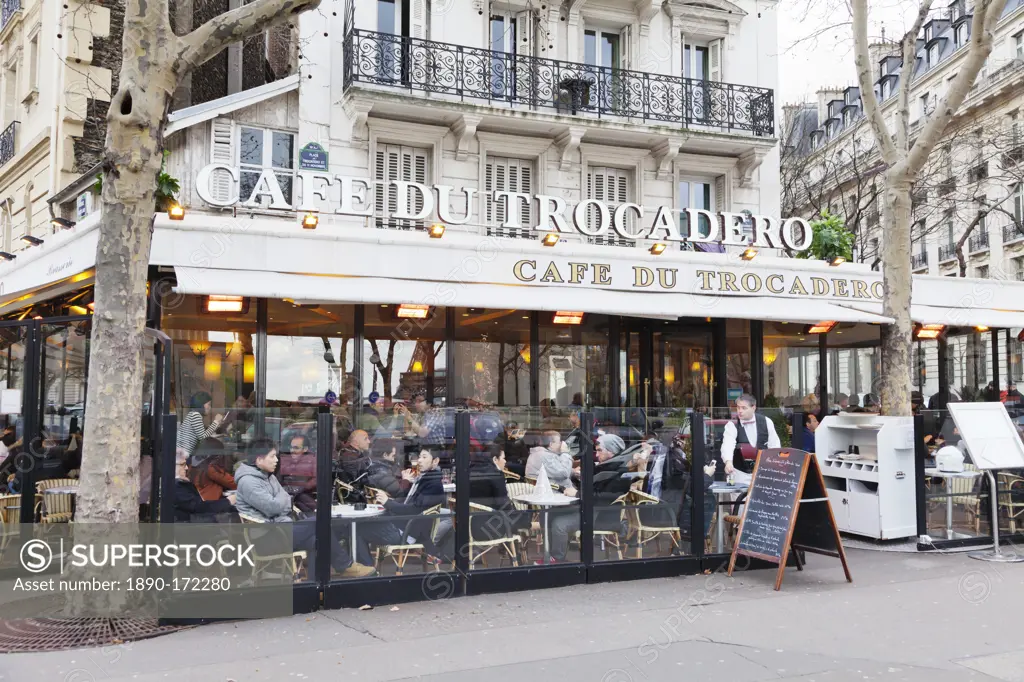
x=8 y=143
x=1011 y=233
x=918 y=260
x=947 y=252
x=7 y=10
x=471 y=73
x=979 y=242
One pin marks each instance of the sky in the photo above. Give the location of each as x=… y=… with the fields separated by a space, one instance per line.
x=815 y=44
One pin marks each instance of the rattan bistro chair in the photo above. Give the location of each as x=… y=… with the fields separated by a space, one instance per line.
x=1011 y=509
x=10 y=508
x=507 y=543
x=609 y=538
x=401 y=554
x=55 y=507
x=642 y=532
x=515 y=489
x=290 y=563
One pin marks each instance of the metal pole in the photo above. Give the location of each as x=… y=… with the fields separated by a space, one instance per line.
x=697 y=461
x=587 y=489
x=462 y=520
x=995 y=555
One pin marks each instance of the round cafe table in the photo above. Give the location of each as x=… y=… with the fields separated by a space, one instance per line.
x=720 y=489
x=350 y=513
x=546 y=502
x=947 y=477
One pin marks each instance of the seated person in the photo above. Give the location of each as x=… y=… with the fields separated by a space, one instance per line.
x=298 y=473
x=384 y=470
x=666 y=479
x=426 y=491
x=487 y=487
x=261 y=496
x=213 y=472
x=354 y=457
x=810 y=426
x=516 y=449
x=609 y=484
x=189 y=505
x=555 y=459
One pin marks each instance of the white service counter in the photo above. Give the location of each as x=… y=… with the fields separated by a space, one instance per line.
x=873 y=495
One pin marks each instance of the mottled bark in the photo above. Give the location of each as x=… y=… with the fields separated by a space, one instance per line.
x=896 y=285
x=154 y=60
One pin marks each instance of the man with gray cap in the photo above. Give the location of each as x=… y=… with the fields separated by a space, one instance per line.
x=608 y=485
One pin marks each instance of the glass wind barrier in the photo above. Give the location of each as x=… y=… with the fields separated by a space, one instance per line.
x=524 y=486
x=251 y=466
x=643 y=501
x=957 y=503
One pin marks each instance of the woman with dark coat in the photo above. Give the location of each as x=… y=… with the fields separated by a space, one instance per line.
x=487 y=487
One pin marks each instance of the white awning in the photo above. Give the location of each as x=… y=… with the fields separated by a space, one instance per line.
x=955 y=317
x=305 y=288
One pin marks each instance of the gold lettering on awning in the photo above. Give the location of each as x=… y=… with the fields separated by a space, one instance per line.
x=552 y=275
x=517 y=270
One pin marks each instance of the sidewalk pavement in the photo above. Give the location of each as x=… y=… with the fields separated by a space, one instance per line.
x=934 y=617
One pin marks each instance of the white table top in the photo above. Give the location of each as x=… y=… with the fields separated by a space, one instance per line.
x=347 y=511
x=951 y=474
x=556 y=500
x=62 y=490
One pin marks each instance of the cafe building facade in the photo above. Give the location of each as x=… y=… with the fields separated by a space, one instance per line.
x=517 y=211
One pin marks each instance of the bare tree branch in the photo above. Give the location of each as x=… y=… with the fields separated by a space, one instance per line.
x=865 y=74
x=233 y=26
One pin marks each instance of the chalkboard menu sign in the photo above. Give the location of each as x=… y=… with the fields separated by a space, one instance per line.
x=771 y=504
x=787 y=508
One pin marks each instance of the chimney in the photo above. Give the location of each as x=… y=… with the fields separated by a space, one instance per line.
x=879 y=51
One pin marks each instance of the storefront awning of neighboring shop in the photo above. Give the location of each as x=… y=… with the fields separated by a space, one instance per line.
x=955 y=317
x=304 y=288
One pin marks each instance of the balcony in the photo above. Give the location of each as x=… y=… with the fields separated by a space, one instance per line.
x=978 y=242
x=504 y=79
x=1012 y=234
x=919 y=261
x=947 y=252
x=8 y=143
x=8 y=8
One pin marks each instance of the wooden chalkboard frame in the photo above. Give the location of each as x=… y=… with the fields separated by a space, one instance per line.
x=810 y=462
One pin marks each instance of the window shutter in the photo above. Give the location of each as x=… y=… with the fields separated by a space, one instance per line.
x=612 y=186
x=420 y=16
x=626 y=48
x=715 y=60
x=524 y=43
x=222 y=150
x=507 y=175
x=395 y=162
x=720 y=193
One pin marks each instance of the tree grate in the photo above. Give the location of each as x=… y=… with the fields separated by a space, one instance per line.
x=54 y=634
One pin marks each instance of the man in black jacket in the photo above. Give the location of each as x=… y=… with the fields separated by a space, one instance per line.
x=427 y=491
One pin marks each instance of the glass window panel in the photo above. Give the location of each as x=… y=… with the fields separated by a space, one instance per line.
x=387 y=13
x=247 y=183
x=402 y=358
x=492 y=357
x=214 y=354
x=283 y=150
x=250 y=149
x=286 y=182
x=854 y=367
x=590 y=48
x=573 y=362
x=790 y=366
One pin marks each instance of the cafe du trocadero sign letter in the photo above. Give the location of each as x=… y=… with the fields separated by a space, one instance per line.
x=353 y=196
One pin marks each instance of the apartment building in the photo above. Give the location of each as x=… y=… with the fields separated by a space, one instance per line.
x=969 y=202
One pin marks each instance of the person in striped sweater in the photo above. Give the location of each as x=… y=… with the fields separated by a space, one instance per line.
x=193 y=428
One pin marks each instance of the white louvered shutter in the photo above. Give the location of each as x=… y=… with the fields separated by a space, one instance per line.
x=524 y=49
x=613 y=187
x=715 y=60
x=720 y=193
x=625 y=48
x=420 y=18
x=222 y=150
x=396 y=162
x=503 y=174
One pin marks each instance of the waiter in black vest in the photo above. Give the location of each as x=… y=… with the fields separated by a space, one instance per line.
x=750 y=431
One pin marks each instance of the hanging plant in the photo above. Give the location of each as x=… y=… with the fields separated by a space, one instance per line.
x=167 y=187
x=830 y=239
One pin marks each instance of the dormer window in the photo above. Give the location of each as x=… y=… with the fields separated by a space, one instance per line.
x=933 y=55
x=960 y=35
x=927 y=32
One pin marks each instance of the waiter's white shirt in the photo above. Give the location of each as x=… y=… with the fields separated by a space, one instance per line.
x=750 y=428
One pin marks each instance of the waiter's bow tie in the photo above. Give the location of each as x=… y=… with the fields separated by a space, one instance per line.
x=752 y=421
